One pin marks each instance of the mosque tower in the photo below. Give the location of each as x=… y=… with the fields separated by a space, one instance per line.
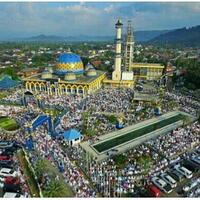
x=116 y=75
x=129 y=48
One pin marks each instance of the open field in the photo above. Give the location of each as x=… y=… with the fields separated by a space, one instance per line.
x=8 y=124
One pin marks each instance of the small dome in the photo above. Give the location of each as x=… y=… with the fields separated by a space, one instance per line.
x=70 y=76
x=46 y=74
x=91 y=72
x=50 y=69
x=89 y=66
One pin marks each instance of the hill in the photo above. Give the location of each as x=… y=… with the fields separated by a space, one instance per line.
x=143 y=36
x=140 y=36
x=183 y=36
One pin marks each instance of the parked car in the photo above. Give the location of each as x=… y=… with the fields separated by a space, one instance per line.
x=3 y=157
x=6 y=144
x=8 y=172
x=194 y=167
x=176 y=175
x=168 y=179
x=153 y=191
x=196 y=159
x=11 y=180
x=9 y=145
x=198 y=150
x=187 y=173
x=191 y=185
x=161 y=184
x=12 y=195
x=6 y=163
x=6 y=152
x=12 y=186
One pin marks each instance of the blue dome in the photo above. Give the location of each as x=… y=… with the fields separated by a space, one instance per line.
x=69 y=58
x=69 y=62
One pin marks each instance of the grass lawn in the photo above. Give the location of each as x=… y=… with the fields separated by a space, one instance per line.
x=103 y=146
x=8 y=124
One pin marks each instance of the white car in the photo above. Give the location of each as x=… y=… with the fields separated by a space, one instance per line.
x=187 y=173
x=162 y=185
x=168 y=179
x=8 y=172
x=12 y=195
x=196 y=159
x=189 y=186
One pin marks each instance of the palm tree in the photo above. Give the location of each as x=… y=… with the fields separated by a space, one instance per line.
x=40 y=168
x=54 y=189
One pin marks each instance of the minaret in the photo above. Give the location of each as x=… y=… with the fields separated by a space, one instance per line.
x=129 y=48
x=116 y=75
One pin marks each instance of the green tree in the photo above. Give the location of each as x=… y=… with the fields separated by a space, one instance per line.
x=120 y=160
x=145 y=161
x=112 y=119
x=10 y=71
x=55 y=189
x=40 y=168
x=89 y=132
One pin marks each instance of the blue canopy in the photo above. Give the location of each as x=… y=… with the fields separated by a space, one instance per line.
x=6 y=82
x=71 y=134
x=40 y=120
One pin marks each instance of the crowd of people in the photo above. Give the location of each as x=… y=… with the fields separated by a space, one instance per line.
x=186 y=103
x=109 y=178
x=48 y=148
x=177 y=141
x=158 y=155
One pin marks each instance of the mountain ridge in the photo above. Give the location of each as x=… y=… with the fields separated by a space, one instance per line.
x=140 y=36
x=182 y=36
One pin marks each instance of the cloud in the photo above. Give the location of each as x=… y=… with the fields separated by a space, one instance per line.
x=28 y=19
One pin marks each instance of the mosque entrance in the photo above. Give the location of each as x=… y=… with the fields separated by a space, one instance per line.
x=29 y=98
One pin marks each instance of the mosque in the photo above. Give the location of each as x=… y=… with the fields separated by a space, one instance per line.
x=69 y=76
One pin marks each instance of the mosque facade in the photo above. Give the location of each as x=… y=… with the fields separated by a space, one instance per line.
x=69 y=76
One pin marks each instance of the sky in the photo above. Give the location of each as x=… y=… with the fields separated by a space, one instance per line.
x=28 y=19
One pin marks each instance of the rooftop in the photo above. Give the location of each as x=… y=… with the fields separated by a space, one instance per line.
x=58 y=78
x=6 y=82
x=71 y=134
x=155 y=65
